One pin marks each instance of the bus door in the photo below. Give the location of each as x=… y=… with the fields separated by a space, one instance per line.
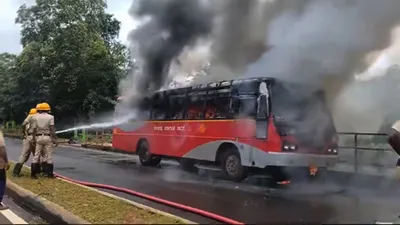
x=262 y=113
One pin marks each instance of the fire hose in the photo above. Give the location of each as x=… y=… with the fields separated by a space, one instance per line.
x=154 y=199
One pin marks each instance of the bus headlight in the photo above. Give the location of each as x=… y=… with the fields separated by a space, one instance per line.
x=332 y=150
x=289 y=147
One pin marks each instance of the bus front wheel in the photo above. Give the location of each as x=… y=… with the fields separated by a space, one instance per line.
x=232 y=166
x=145 y=157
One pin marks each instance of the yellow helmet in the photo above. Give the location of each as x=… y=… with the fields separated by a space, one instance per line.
x=33 y=111
x=38 y=106
x=43 y=106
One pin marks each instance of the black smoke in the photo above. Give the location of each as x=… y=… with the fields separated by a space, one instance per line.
x=171 y=26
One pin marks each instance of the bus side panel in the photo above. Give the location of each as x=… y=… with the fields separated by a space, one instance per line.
x=125 y=142
x=177 y=138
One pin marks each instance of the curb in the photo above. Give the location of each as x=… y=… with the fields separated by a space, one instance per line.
x=49 y=211
x=12 y=136
x=99 y=147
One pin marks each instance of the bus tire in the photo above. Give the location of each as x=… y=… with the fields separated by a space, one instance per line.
x=232 y=165
x=145 y=157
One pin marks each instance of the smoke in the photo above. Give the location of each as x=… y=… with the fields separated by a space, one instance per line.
x=370 y=102
x=169 y=27
x=328 y=42
x=242 y=32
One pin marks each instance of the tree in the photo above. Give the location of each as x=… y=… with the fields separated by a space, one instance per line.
x=71 y=57
x=8 y=87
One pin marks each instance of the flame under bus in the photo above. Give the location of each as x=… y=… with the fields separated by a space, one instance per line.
x=236 y=124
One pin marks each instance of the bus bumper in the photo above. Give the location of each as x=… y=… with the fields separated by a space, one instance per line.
x=297 y=160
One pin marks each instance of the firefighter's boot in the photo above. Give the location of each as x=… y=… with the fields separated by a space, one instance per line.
x=17 y=169
x=45 y=168
x=50 y=170
x=41 y=167
x=34 y=170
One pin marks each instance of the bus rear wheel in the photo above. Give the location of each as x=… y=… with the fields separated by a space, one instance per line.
x=145 y=157
x=232 y=166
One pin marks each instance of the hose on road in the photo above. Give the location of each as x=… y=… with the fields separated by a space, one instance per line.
x=154 y=199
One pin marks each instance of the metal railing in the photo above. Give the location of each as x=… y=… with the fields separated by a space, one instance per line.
x=381 y=141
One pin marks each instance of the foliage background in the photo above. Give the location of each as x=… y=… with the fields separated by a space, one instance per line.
x=71 y=58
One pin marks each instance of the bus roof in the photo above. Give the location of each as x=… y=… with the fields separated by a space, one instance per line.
x=217 y=85
x=224 y=84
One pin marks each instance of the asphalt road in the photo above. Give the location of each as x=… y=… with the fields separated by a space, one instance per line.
x=330 y=200
x=18 y=214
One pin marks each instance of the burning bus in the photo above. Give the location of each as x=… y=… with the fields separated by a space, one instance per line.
x=240 y=125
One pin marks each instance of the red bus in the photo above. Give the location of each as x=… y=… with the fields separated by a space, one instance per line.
x=239 y=125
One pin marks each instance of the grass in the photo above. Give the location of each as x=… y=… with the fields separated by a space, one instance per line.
x=87 y=204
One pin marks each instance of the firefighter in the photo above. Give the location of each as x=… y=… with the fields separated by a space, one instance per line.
x=394 y=141
x=27 y=143
x=45 y=138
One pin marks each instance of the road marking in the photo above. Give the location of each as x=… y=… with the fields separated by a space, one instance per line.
x=12 y=217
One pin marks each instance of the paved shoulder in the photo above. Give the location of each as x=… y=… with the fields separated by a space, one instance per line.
x=3 y=219
x=9 y=217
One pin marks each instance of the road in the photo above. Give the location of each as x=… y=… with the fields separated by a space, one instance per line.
x=17 y=215
x=324 y=201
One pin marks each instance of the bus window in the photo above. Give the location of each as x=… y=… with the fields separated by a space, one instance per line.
x=245 y=106
x=177 y=108
x=218 y=107
x=159 y=108
x=195 y=108
x=246 y=87
x=158 y=114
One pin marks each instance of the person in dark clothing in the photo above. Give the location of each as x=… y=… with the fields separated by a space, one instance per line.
x=4 y=165
x=394 y=141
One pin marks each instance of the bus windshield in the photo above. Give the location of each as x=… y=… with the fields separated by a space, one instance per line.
x=302 y=112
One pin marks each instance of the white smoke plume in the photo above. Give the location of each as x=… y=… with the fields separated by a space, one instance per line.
x=322 y=43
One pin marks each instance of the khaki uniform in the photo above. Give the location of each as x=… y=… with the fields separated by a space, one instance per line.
x=27 y=143
x=44 y=143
